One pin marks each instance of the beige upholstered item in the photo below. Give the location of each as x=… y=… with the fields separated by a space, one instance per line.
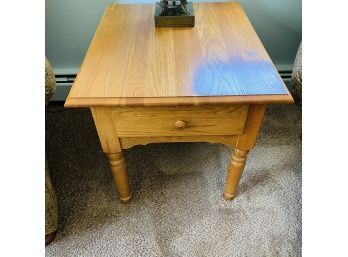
x=296 y=79
x=50 y=81
x=51 y=208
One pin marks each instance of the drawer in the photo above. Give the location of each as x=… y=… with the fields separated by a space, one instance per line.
x=179 y=121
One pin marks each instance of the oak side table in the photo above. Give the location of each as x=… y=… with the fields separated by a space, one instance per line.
x=210 y=83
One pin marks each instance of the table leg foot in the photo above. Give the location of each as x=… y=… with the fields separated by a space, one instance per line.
x=228 y=197
x=235 y=170
x=119 y=172
x=126 y=199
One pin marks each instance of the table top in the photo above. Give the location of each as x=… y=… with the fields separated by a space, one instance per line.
x=220 y=60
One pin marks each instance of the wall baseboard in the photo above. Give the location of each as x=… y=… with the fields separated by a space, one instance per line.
x=65 y=78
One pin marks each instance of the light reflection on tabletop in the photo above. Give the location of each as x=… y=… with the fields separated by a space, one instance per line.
x=237 y=77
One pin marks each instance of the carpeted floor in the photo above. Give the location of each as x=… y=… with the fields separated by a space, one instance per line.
x=178 y=208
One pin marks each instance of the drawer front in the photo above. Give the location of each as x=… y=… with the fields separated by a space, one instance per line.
x=179 y=121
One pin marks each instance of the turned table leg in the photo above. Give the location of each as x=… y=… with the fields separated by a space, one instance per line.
x=119 y=172
x=235 y=170
x=111 y=147
x=245 y=142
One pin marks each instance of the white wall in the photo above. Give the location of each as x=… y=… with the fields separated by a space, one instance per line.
x=70 y=25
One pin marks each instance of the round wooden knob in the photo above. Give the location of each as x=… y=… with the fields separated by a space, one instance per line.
x=179 y=124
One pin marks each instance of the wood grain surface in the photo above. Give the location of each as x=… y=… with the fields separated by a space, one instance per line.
x=179 y=121
x=106 y=129
x=248 y=139
x=130 y=61
x=128 y=142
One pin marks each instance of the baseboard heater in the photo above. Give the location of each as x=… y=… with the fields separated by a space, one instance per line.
x=64 y=83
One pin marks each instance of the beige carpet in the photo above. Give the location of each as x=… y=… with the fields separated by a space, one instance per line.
x=178 y=208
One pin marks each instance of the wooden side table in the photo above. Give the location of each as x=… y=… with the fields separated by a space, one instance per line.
x=149 y=85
